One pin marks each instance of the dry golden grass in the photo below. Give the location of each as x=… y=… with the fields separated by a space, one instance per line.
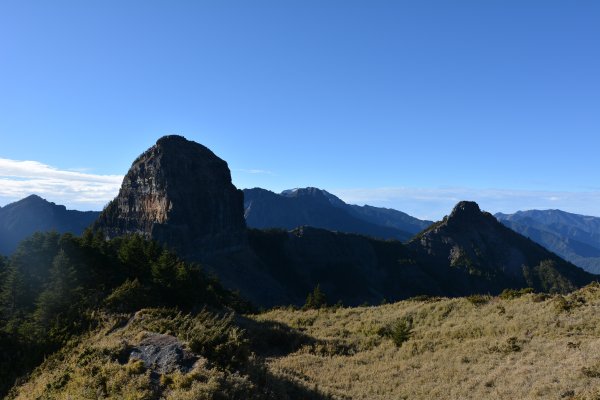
x=92 y=368
x=524 y=348
x=529 y=347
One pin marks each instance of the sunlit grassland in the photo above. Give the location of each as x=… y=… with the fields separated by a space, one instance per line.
x=480 y=347
x=533 y=346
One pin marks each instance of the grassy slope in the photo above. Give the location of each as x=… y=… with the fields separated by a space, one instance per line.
x=528 y=347
x=520 y=348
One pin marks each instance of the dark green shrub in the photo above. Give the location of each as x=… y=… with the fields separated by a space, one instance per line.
x=591 y=372
x=512 y=345
x=564 y=304
x=561 y=304
x=540 y=297
x=399 y=331
x=421 y=297
x=478 y=299
x=509 y=294
x=129 y=297
x=218 y=339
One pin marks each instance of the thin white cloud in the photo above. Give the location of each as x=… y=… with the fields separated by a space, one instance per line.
x=434 y=203
x=82 y=190
x=19 y=179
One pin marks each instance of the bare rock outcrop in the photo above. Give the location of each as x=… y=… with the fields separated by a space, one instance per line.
x=180 y=194
x=163 y=354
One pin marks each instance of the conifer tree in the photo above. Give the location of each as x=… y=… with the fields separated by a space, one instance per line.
x=316 y=299
x=55 y=301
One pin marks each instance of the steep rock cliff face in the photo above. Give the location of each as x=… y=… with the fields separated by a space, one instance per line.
x=180 y=194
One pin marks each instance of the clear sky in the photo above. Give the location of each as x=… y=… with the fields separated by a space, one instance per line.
x=406 y=104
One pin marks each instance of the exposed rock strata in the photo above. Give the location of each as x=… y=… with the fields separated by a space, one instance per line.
x=180 y=194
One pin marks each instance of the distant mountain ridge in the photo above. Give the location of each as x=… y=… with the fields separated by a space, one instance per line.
x=22 y=218
x=572 y=236
x=320 y=209
x=468 y=252
x=180 y=194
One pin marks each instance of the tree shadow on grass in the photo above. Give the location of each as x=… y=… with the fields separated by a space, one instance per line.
x=284 y=388
x=274 y=339
x=270 y=339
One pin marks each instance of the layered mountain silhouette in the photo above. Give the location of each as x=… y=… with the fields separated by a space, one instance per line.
x=20 y=219
x=180 y=194
x=320 y=209
x=574 y=237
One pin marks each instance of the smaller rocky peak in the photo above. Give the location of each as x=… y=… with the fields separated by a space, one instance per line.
x=465 y=210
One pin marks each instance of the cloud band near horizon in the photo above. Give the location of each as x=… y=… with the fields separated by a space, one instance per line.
x=86 y=191
x=19 y=179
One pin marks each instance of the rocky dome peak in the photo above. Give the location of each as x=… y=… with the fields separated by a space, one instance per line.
x=179 y=193
x=170 y=139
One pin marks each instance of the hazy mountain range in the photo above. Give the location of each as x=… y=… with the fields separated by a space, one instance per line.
x=32 y=214
x=574 y=237
x=320 y=209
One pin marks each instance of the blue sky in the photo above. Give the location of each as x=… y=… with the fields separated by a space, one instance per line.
x=411 y=105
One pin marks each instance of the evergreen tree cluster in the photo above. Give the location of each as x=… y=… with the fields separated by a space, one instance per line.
x=52 y=286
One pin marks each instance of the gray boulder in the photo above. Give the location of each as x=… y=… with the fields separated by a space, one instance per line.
x=163 y=354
